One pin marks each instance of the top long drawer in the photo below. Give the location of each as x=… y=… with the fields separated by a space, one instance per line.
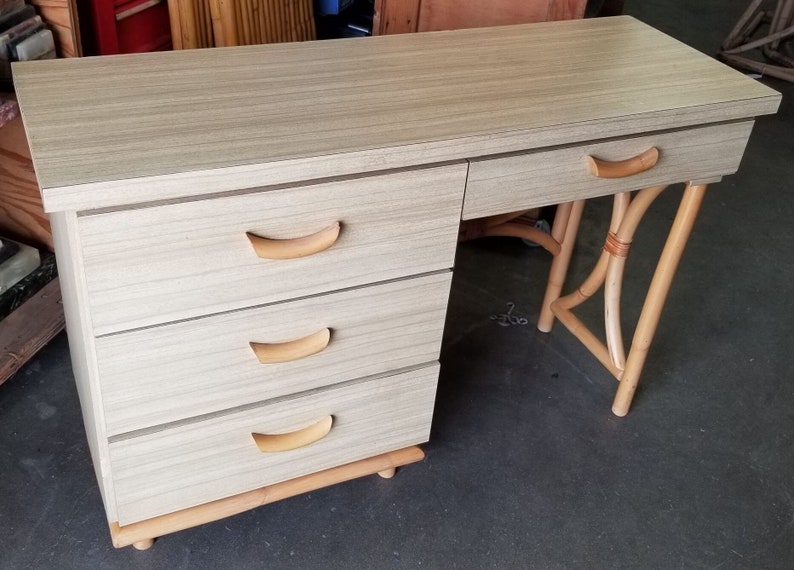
x=541 y=178
x=168 y=262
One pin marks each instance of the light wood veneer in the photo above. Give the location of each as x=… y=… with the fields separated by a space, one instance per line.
x=137 y=128
x=177 y=371
x=529 y=180
x=198 y=462
x=175 y=261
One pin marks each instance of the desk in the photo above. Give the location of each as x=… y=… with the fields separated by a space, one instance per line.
x=221 y=217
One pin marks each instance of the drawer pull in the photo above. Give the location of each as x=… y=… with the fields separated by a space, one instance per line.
x=273 y=353
x=621 y=169
x=271 y=443
x=294 y=248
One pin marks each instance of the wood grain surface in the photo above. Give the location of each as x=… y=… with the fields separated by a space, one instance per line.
x=457 y=14
x=203 y=461
x=552 y=176
x=177 y=261
x=168 y=373
x=21 y=212
x=153 y=126
x=235 y=504
x=82 y=350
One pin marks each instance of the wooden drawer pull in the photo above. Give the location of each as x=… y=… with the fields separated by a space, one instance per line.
x=272 y=353
x=623 y=168
x=294 y=248
x=270 y=443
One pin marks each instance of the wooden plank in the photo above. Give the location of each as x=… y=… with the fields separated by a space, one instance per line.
x=189 y=25
x=216 y=19
x=21 y=212
x=289 y=110
x=31 y=326
x=175 y=19
x=566 y=9
x=395 y=17
x=457 y=14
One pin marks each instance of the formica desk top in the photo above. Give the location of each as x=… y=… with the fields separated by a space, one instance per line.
x=111 y=131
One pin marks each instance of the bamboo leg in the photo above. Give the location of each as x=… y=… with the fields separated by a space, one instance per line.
x=141 y=533
x=657 y=294
x=522 y=231
x=388 y=473
x=564 y=229
x=617 y=245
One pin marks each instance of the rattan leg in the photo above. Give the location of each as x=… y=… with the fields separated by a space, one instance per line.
x=564 y=229
x=657 y=294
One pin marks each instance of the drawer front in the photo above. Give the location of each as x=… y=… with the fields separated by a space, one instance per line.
x=177 y=261
x=518 y=182
x=199 y=462
x=177 y=371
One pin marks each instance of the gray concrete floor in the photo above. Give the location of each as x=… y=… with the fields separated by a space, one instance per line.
x=526 y=466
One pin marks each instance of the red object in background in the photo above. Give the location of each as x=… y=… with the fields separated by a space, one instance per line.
x=130 y=26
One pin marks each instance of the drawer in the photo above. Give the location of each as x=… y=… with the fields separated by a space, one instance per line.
x=198 y=462
x=523 y=181
x=177 y=261
x=176 y=371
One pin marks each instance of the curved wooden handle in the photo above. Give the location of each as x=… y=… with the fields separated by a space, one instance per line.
x=273 y=353
x=623 y=168
x=271 y=443
x=297 y=247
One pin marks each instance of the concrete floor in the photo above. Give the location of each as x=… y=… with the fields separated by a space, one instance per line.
x=527 y=467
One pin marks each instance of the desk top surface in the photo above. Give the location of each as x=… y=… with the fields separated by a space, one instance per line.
x=94 y=120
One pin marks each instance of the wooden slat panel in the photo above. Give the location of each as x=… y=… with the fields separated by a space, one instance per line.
x=192 y=464
x=290 y=110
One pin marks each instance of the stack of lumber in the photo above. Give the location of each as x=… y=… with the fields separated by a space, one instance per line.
x=218 y=23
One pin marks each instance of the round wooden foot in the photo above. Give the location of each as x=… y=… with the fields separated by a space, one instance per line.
x=388 y=473
x=143 y=544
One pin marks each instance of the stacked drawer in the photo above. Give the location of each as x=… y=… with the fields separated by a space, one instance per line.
x=242 y=340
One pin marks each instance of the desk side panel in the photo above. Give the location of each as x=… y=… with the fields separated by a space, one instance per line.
x=82 y=350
